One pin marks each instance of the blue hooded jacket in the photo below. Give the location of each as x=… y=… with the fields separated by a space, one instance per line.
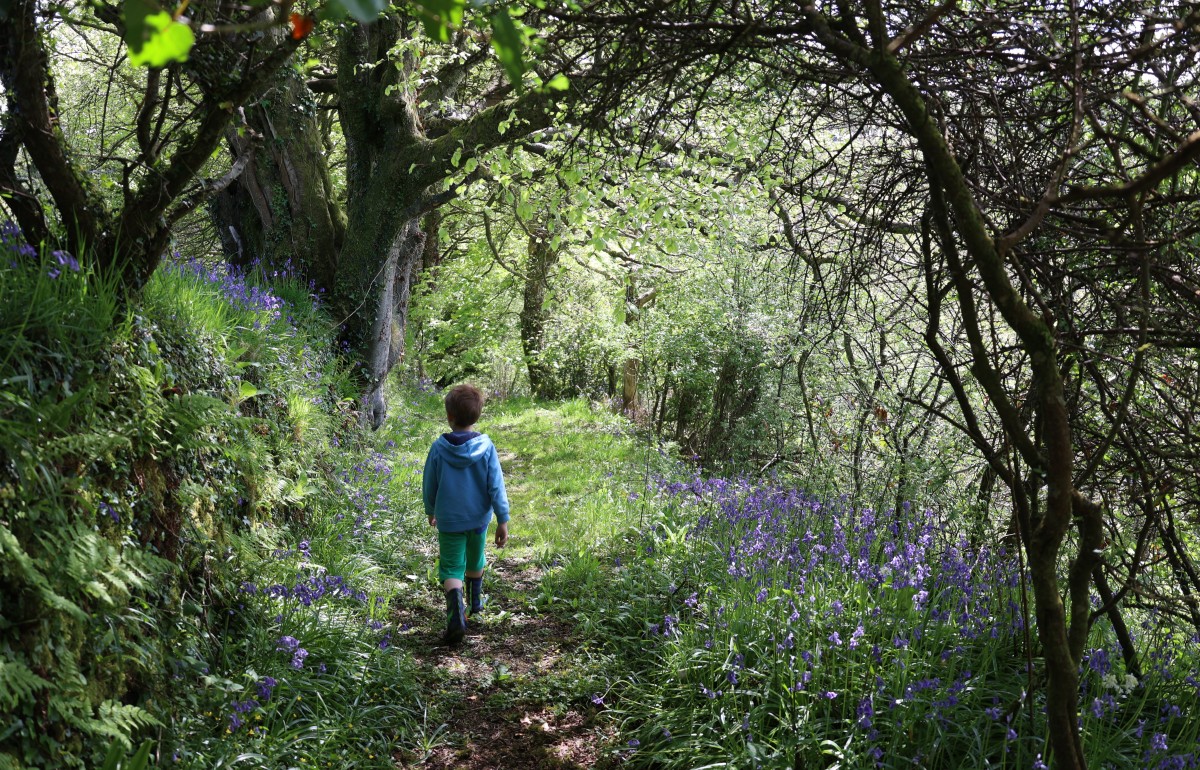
x=463 y=483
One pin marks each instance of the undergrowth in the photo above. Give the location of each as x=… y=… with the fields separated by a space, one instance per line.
x=190 y=527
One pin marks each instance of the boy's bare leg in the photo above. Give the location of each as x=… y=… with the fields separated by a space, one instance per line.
x=451 y=583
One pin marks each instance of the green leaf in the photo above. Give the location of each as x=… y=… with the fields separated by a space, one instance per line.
x=247 y=390
x=558 y=83
x=332 y=11
x=168 y=40
x=509 y=46
x=134 y=14
x=440 y=16
x=112 y=760
x=141 y=759
x=362 y=10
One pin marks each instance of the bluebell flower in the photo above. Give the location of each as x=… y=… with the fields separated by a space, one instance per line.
x=66 y=260
x=266 y=686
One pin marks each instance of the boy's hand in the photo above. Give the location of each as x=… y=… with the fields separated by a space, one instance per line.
x=501 y=534
x=432 y=521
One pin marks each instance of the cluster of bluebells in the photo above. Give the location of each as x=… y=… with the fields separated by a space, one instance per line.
x=308 y=590
x=780 y=539
x=834 y=591
x=1162 y=726
x=13 y=244
x=234 y=285
x=366 y=490
x=240 y=709
x=292 y=644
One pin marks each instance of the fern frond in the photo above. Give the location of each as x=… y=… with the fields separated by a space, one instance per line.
x=118 y=720
x=17 y=683
x=191 y=412
x=17 y=563
x=83 y=445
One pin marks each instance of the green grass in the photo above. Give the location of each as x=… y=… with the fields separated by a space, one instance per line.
x=568 y=468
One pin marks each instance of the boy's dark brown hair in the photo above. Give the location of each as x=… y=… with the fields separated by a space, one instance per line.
x=464 y=404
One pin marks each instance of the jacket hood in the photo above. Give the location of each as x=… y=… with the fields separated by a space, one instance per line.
x=464 y=454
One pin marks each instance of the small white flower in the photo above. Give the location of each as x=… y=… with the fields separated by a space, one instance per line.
x=1109 y=682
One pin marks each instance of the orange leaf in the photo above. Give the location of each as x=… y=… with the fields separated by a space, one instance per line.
x=301 y=26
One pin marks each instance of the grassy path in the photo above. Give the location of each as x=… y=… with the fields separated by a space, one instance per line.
x=515 y=694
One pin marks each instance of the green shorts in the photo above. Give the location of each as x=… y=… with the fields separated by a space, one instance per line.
x=460 y=552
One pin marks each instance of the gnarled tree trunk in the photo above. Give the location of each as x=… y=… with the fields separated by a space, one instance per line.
x=283 y=206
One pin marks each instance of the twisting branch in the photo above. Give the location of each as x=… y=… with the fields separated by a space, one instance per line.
x=29 y=83
x=207 y=188
x=914 y=33
x=1168 y=166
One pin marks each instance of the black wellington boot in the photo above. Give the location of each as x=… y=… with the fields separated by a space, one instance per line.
x=475 y=596
x=456 y=623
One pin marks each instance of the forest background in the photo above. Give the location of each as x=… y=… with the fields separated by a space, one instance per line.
x=934 y=265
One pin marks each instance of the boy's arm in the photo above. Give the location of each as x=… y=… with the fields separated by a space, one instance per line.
x=429 y=484
x=496 y=491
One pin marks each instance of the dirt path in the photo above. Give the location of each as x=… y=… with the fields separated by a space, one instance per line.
x=490 y=700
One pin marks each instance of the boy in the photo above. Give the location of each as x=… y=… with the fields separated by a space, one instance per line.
x=462 y=485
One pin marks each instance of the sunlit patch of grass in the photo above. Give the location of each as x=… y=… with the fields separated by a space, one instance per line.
x=569 y=472
x=569 y=469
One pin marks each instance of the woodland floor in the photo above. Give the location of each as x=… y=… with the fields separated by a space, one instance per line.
x=491 y=702
x=487 y=689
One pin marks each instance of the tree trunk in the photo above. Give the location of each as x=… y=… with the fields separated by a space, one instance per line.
x=542 y=258
x=392 y=293
x=371 y=297
x=282 y=208
x=631 y=366
x=629 y=384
